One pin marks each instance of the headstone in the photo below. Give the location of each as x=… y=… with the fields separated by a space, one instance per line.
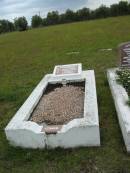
x=70 y=69
x=124 y=51
x=66 y=70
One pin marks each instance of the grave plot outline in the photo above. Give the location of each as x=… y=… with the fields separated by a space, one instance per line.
x=78 y=132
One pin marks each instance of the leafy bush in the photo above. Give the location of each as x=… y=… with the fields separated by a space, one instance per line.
x=128 y=102
x=124 y=79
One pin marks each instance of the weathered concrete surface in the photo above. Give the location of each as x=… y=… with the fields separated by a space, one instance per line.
x=78 y=132
x=120 y=97
x=62 y=71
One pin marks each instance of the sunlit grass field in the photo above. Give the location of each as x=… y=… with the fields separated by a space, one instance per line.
x=27 y=56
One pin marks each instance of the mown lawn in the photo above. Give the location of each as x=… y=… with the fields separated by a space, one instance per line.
x=27 y=56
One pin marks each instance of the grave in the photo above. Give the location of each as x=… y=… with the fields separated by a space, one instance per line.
x=119 y=93
x=61 y=112
x=124 y=54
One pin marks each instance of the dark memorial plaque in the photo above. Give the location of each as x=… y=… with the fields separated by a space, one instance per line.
x=124 y=51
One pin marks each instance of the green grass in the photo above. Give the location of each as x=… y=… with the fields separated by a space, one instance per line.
x=27 y=56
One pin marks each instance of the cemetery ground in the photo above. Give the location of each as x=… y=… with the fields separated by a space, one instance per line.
x=27 y=56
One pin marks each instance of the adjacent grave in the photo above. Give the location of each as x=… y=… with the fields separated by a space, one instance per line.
x=124 y=53
x=61 y=112
x=119 y=93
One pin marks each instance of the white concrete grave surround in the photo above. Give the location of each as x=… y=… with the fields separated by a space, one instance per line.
x=78 y=132
x=120 y=97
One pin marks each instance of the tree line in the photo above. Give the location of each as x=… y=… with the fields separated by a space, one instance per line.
x=53 y=18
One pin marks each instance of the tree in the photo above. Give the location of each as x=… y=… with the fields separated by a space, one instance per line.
x=123 y=7
x=62 y=18
x=114 y=10
x=102 y=12
x=52 y=18
x=83 y=14
x=36 y=21
x=21 y=24
x=3 y=26
x=69 y=16
x=129 y=8
x=44 y=22
x=11 y=26
x=6 y=26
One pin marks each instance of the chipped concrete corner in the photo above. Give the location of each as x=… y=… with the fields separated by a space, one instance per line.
x=77 y=133
x=120 y=97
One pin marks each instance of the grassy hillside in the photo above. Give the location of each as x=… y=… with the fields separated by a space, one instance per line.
x=27 y=56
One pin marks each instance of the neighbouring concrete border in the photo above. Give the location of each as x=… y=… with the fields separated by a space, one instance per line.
x=120 y=97
x=78 y=132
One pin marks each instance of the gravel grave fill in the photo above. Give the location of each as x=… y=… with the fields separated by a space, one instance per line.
x=59 y=105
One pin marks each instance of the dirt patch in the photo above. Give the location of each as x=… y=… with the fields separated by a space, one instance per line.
x=60 y=104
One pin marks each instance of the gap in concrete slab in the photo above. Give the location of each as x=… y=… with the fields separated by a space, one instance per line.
x=60 y=103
